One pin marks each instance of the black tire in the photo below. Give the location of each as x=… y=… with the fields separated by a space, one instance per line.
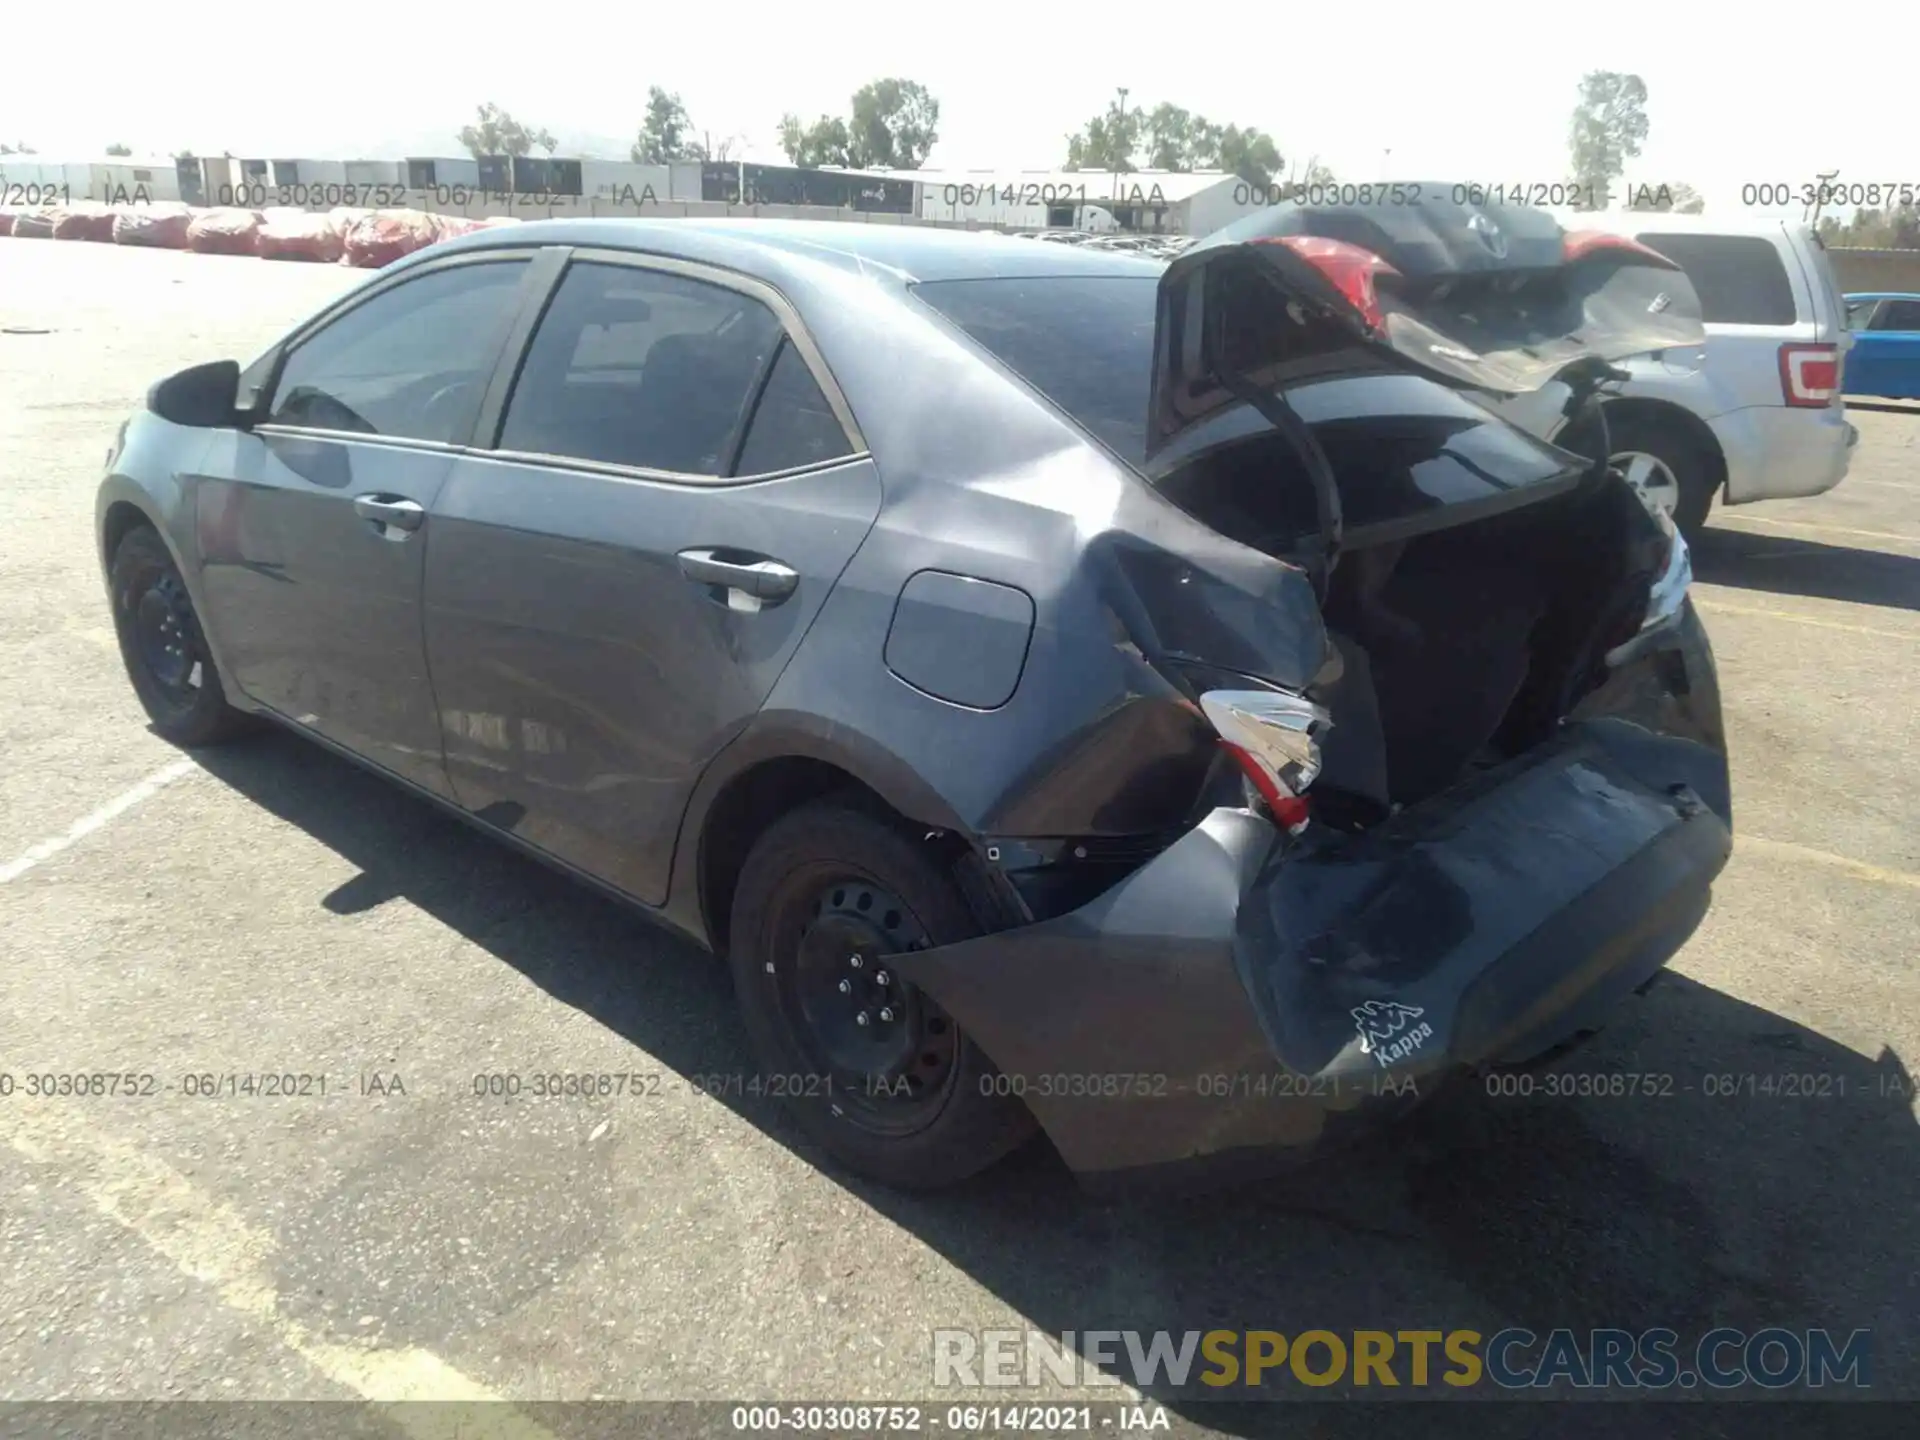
x=1691 y=468
x=162 y=646
x=800 y=904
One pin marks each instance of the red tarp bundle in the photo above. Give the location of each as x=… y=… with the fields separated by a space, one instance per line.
x=223 y=232
x=82 y=222
x=299 y=235
x=163 y=225
x=6 y=222
x=33 y=225
x=384 y=236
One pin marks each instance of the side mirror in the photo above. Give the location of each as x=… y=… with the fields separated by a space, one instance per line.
x=201 y=395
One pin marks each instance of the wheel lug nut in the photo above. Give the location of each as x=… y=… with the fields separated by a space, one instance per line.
x=880 y=977
x=886 y=1012
x=846 y=987
x=854 y=961
x=861 y=1018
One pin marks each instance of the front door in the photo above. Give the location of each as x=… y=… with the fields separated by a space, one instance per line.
x=612 y=593
x=311 y=527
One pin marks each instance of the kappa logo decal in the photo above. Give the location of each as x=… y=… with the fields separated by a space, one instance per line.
x=1390 y=1031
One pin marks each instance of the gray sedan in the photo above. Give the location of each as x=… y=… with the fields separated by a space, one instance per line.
x=1157 y=706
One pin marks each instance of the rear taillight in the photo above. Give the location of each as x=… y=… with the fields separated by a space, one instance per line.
x=1351 y=270
x=1809 y=375
x=1275 y=739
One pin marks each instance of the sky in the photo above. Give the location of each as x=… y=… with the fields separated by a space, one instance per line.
x=1736 y=97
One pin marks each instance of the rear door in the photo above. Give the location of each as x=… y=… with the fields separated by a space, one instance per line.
x=311 y=526
x=674 y=485
x=1754 y=298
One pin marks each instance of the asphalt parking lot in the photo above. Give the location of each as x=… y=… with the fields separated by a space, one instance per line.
x=268 y=908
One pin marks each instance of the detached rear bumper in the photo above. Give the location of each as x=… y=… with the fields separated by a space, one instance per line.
x=1237 y=997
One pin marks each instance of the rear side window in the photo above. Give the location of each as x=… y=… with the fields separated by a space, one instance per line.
x=640 y=368
x=792 y=425
x=1739 y=278
x=410 y=362
x=1898 y=315
x=1084 y=342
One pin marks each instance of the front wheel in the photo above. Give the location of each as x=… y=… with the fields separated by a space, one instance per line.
x=162 y=646
x=870 y=1066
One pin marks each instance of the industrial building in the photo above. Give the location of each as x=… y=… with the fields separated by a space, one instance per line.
x=1146 y=201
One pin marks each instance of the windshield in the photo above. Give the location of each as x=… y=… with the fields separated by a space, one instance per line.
x=1085 y=342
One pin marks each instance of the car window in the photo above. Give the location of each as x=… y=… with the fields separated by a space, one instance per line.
x=1860 y=314
x=410 y=362
x=1084 y=342
x=792 y=425
x=1739 y=278
x=640 y=367
x=1898 y=315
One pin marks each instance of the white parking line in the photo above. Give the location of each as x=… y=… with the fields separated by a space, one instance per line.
x=209 y=1241
x=87 y=824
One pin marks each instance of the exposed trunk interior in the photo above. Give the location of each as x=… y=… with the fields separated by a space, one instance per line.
x=1465 y=631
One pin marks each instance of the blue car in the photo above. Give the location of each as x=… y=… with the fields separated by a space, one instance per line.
x=1885 y=358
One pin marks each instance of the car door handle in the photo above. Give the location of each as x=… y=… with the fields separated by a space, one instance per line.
x=753 y=575
x=394 y=510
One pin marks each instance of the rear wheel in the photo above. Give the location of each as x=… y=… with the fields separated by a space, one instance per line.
x=1665 y=468
x=872 y=1068
x=163 y=648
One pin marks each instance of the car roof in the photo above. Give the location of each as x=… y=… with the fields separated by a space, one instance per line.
x=1852 y=295
x=906 y=253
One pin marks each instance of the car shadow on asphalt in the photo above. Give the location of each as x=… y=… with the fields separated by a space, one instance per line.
x=1745 y=561
x=1759 y=1174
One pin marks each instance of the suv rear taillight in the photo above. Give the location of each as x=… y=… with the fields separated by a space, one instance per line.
x=1809 y=375
x=1275 y=739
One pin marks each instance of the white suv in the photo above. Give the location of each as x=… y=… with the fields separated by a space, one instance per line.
x=1756 y=414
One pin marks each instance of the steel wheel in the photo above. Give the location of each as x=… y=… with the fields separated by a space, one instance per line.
x=165 y=639
x=890 y=1050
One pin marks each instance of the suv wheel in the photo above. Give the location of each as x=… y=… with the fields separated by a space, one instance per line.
x=870 y=1067
x=1665 y=469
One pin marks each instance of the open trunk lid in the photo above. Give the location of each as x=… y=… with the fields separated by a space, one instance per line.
x=1501 y=299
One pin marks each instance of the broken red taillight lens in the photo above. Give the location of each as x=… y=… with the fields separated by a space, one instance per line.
x=1351 y=270
x=1274 y=737
x=1580 y=244
x=1809 y=375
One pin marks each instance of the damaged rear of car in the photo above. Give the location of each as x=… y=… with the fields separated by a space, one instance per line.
x=1296 y=724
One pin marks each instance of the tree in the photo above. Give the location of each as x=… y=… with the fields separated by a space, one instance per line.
x=894 y=125
x=21 y=149
x=1108 y=141
x=1250 y=154
x=1316 y=174
x=498 y=133
x=118 y=149
x=663 y=136
x=1609 y=124
x=824 y=142
x=1174 y=139
x=1870 y=228
x=1681 y=199
x=705 y=150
